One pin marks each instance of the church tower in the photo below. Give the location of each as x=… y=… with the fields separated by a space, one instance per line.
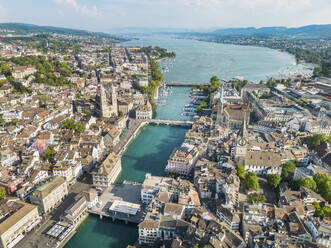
x=242 y=142
x=220 y=106
x=108 y=107
x=113 y=101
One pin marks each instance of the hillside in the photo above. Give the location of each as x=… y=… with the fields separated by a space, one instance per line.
x=310 y=31
x=22 y=28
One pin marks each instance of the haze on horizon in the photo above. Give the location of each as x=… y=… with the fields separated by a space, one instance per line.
x=103 y=15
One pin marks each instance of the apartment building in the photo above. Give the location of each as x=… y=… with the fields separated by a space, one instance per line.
x=50 y=194
x=16 y=219
x=108 y=171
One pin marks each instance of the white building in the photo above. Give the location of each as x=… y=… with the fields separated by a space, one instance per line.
x=228 y=216
x=50 y=194
x=91 y=197
x=20 y=218
x=108 y=171
x=144 y=112
x=64 y=171
x=149 y=232
x=262 y=162
x=183 y=159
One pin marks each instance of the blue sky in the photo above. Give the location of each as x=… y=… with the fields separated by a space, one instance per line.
x=102 y=15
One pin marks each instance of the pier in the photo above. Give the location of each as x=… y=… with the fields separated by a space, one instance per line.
x=183 y=83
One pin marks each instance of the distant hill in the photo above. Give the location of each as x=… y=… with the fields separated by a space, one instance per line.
x=311 y=31
x=22 y=28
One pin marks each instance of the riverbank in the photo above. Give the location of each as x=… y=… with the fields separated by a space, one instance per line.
x=148 y=152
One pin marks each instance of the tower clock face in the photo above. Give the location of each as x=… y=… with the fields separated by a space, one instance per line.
x=242 y=142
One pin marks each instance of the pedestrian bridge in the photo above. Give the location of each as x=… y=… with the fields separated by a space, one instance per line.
x=171 y=123
x=184 y=83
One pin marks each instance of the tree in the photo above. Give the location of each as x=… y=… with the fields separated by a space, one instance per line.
x=288 y=167
x=144 y=89
x=2 y=193
x=251 y=182
x=13 y=122
x=240 y=170
x=307 y=182
x=69 y=124
x=256 y=198
x=316 y=140
x=323 y=185
x=5 y=69
x=120 y=113
x=274 y=180
x=202 y=106
x=321 y=211
x=43 y=99
x=86 y=112
x=78 y=95
x=49 y=154
x=79 y=128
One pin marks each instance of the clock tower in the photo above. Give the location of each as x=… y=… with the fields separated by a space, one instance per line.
x=241 y=143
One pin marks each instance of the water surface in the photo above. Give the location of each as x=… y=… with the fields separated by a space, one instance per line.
x=198 y=61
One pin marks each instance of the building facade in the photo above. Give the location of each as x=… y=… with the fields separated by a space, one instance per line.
x=18 y=218
x=108 y=172
x=50 y=194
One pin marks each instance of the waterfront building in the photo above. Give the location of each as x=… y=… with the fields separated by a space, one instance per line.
x=152 y=185
x=149 y=232
x=91 y=197
x=76 y=212
x=50 y=194
x=144 y=112
x=108 y=171
x=17 y=219
x=183 y=159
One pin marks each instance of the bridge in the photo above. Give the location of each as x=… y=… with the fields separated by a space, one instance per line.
x=170 y=122
x=183 y=83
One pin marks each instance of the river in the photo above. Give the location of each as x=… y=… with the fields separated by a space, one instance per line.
x=195 y=61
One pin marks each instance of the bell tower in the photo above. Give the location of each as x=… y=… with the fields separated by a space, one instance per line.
x=242 y=142
x=220 y=106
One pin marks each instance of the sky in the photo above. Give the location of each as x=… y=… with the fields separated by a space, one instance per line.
x=103 y=15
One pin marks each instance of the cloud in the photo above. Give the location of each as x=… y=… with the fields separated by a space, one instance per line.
x=3 y=13
x=91 y=11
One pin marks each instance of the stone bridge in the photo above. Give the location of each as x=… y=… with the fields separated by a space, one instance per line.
x=170 y=122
